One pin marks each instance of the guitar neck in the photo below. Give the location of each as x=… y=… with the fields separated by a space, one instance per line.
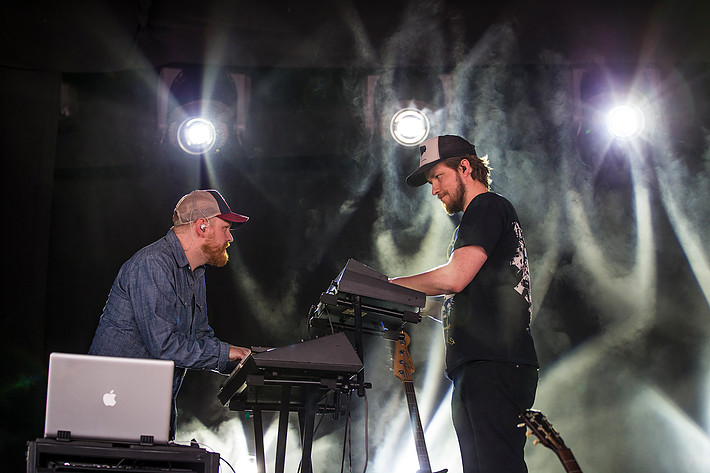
x=403 y=369
x=568 y=461
x=419 y=441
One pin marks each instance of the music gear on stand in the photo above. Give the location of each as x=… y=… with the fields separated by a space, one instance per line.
x=309 y=377
x=363 y=300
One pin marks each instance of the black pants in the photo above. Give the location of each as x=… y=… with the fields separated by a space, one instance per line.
x=488 y=397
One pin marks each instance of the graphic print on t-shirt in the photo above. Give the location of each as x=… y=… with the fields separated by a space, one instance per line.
x=446 y=309
x=520 y=262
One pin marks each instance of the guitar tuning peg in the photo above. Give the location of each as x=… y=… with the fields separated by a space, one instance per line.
x=536 y=442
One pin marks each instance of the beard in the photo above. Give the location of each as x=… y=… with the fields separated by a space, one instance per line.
x=456 y=198
x=216 y=253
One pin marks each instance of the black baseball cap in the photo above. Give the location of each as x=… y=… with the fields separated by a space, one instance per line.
x=433 y=150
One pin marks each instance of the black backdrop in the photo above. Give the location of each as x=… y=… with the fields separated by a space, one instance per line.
x=85 y=190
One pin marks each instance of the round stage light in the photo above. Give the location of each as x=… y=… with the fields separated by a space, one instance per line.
x=625 y=121
x=196 y=135
x=409 y=126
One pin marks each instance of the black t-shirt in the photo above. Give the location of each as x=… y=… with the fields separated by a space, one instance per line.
x=490 y=318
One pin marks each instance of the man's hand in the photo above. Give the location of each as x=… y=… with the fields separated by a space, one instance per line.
x=238 y=353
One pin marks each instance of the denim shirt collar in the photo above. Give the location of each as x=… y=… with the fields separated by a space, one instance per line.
x=179 y=254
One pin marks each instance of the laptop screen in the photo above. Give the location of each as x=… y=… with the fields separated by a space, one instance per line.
x=108 y=398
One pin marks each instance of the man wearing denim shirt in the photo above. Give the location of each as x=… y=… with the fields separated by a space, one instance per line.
x=157 y=304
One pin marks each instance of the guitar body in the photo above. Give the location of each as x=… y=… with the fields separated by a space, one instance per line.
x=548 y=436
x=403 y=369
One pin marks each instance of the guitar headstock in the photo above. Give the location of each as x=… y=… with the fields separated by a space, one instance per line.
x=543 y=430
x=403 y=366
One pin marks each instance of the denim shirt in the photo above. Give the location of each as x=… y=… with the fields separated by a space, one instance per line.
x=157 y=309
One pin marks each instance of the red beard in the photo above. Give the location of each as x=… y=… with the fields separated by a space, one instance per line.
x=216 y=254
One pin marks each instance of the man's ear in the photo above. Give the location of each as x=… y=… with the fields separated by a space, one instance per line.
x=201 y=226
x=465 y=166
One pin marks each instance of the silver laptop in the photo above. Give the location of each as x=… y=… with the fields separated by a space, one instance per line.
x=108 y=398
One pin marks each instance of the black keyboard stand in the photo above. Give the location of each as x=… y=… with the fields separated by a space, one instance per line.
x=307 y=397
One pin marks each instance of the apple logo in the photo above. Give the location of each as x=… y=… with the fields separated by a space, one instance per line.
x=110 y=399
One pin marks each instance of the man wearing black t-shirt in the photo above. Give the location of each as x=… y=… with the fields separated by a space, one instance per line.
x=490 y=355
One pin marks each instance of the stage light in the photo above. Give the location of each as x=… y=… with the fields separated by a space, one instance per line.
x=407 y=107
x=616 y=104
x=625 y=121
x=409 y=126
x=200 y=127
x=196 y=135
x=200 y=109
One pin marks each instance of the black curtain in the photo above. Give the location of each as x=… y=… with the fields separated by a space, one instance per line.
x=30 y=104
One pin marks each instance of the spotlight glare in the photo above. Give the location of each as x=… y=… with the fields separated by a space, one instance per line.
x=625 y=121
x=196 y=135
x=409 y=126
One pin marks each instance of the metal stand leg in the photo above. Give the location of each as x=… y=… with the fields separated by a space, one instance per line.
x=259 y=441
x=357 y=314
x=283 y=429
x=307 y=427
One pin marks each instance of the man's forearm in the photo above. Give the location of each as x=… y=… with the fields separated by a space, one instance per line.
x=431 y=283
x=450 y=278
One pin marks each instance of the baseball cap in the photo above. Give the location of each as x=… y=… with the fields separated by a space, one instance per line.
x=434 y=150
x=204 y=203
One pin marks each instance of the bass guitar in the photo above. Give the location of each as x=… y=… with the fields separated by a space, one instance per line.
x=403 y=369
